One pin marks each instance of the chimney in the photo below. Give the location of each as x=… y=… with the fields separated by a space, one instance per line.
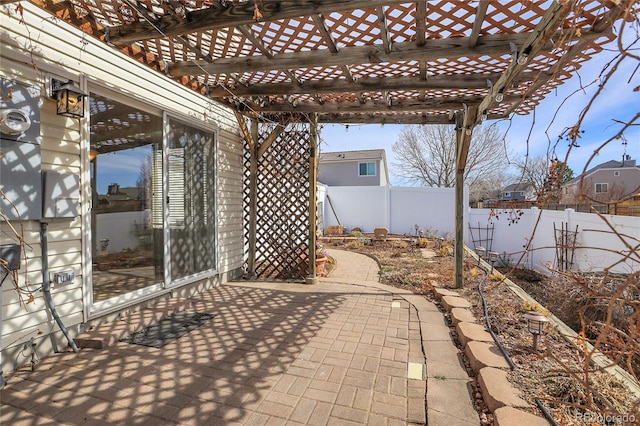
x=627 y=161
x=113 y=189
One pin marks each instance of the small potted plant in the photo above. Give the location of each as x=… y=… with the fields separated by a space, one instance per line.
x=321 y=261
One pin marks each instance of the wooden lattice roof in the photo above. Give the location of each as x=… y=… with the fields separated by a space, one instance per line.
x=366 y=61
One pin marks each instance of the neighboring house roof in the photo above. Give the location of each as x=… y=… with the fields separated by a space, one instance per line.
x=364 y=154
x=360 y=155
x=518 y=187
x=611 y=164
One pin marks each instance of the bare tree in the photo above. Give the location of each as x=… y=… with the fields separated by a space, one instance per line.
x=546 y=176
x=426 y=155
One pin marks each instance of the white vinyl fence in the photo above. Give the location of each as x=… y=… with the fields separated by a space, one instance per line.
x=598 y=244
x=399 y=209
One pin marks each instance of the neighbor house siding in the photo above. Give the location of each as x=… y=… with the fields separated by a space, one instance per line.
x=40 y=45
x=346 y=173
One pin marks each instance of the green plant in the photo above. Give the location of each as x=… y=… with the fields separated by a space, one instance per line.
x=440 y=377
x=352 y=245
x=396 y=253
x=412 y=281
x=400 y=244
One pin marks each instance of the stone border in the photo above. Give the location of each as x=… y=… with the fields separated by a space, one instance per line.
x=488 y=363
x=568 y=334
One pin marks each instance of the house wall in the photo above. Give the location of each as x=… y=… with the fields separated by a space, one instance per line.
x=345 y=173
x=33 y=45
x=597 y=246
x=398 y=209
x=626 y=183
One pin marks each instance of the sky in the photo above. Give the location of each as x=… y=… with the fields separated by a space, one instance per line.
x=617 y=102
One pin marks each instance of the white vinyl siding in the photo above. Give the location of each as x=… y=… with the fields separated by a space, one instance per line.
x=65 y=148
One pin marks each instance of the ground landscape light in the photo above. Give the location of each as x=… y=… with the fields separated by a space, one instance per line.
x=535 y=324
x=481 y=251
x=493 y=257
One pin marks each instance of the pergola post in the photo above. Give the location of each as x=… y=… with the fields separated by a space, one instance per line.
x=253 y=200
x=313 y=164
x=465 y=121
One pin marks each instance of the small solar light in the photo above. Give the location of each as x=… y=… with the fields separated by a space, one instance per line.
x=480 y=251
x=535 y=324
x=493 y=257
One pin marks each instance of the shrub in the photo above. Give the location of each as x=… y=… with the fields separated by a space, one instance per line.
x=355 y=232
x=400 y=244
x=352 y=245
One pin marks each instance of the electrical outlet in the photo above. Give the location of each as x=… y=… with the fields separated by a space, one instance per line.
x=63 y=277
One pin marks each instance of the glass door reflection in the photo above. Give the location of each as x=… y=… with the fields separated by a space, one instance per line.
x=126 y=182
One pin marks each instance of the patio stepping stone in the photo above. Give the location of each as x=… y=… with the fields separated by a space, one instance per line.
x=462 y=315
x=509 y=416
x=450 y=302
x=468 y=331
x=482 y=354
x=441 y=292
x=497 y=391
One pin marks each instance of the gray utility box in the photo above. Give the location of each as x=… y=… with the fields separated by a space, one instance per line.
x=61 y=194
x=20 y=158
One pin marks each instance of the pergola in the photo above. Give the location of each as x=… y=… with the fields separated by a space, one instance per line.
x=276 y=63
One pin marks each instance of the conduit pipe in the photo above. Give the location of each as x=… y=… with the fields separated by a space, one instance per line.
x=46 y=285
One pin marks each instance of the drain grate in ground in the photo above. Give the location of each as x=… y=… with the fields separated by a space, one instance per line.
x=168 y=329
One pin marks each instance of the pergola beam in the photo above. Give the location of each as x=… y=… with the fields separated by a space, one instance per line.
x=384 y=29
x=481 y=12
x=249 y=35
x=498 y=44
x=367 y=84
x=602 y=27
x=381 y=105
x=321 y=25
x=233 y=14
x=536 y=41
x=392 y=119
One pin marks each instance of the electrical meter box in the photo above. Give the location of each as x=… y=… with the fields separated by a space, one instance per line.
x=20 y=158
x=61 y=194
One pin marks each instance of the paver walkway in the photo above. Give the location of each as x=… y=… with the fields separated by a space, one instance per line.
x=345 y=351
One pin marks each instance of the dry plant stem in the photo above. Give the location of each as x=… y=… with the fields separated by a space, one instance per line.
x=19 y=236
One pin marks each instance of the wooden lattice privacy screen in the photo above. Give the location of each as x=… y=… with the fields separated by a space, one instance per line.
x=282 y=222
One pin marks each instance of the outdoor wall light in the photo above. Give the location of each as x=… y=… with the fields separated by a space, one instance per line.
x=535 y=324
x=70 y=100
x=480 y=251
x=500 y=96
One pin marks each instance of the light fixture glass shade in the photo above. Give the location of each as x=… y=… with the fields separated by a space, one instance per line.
x=70 y=100
x=535 y=322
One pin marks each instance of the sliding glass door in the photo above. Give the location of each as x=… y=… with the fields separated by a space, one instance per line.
x=127 y=241
x=153 y=203
x=191 y=199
